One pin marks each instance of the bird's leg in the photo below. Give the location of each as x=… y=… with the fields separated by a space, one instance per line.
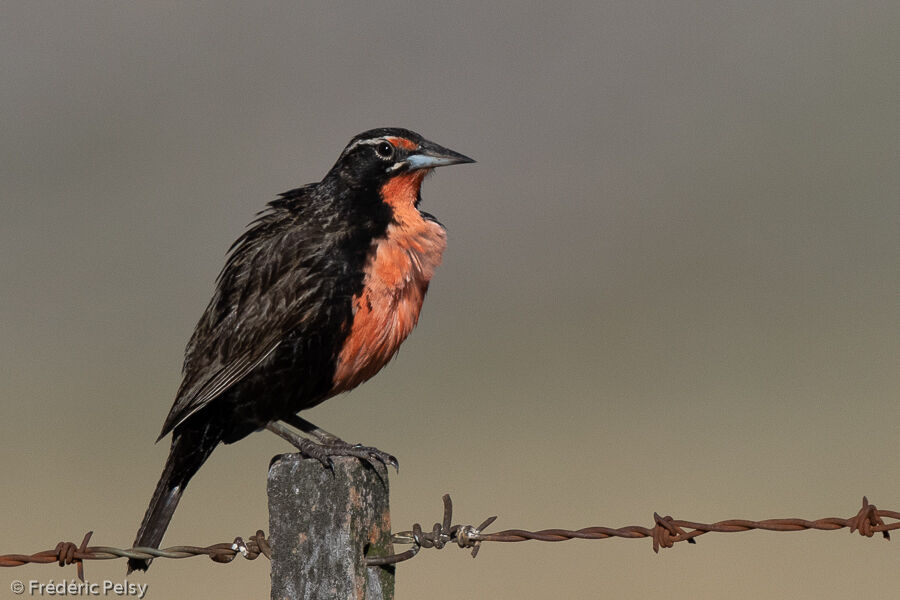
x=327 y=444
x=332 y=445
x=315 y=431
x=303 y=444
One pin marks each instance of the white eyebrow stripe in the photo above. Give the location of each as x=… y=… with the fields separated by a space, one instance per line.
x=368 y=142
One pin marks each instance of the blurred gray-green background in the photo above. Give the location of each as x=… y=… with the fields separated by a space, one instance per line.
x=673 y=279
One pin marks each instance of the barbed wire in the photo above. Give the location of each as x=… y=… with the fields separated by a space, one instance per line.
x=665 y=532
x=67 y=553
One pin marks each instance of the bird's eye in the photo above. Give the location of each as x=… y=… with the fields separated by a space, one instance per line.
x=384 y=149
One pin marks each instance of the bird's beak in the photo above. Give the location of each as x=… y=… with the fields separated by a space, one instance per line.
x=429 y=155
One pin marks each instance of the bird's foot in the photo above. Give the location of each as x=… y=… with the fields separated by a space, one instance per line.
x=328 y=445
x=323 y=453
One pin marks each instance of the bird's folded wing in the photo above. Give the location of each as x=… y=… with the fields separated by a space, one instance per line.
x=265 y=293
x=209 y=387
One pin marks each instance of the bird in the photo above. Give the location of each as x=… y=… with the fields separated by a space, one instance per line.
x=315 y=297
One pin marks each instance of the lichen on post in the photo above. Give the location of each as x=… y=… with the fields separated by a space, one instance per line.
x=323 y=525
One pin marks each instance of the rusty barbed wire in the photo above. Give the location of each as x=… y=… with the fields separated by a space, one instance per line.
x=665 y=532
x=67 y=553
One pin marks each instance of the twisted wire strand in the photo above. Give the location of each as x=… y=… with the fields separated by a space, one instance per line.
x=664 y=533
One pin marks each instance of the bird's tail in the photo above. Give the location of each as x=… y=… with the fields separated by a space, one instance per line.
x=190 y=449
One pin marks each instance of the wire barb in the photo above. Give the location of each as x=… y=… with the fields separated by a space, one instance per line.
x=666 y=533
x=868 y=521
x=440 y=535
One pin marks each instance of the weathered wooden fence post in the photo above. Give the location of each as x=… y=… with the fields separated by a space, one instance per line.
x=323 y=525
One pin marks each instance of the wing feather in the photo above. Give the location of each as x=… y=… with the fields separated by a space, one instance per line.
x=267 y=290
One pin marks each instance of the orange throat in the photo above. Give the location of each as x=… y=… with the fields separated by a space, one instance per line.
x=397 y=274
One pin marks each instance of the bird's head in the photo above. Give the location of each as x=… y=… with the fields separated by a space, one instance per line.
x=374 y=157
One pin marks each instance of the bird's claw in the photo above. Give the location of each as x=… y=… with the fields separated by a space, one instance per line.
x=310 y=449
x=324 y=452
